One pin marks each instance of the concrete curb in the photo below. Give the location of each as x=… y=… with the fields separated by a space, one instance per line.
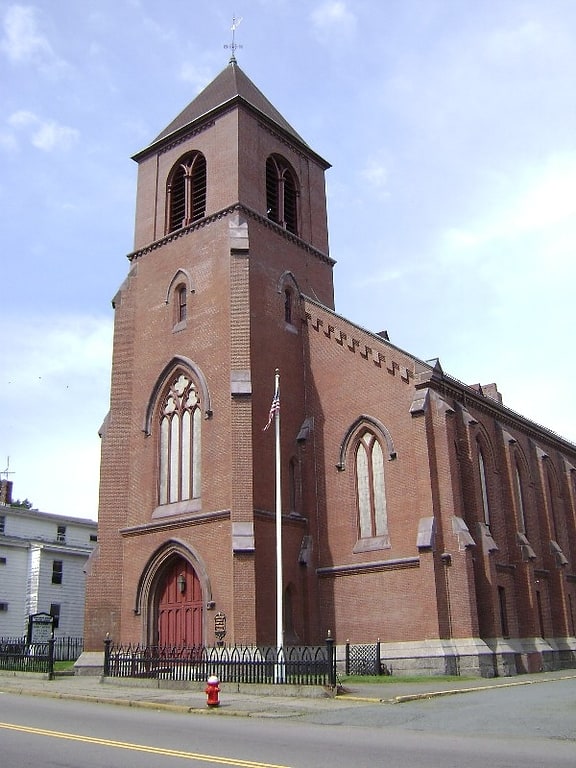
x=453 y=691
x=447 y=692
x=134 y=703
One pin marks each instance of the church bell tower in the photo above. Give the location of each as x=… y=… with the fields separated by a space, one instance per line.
x=230 y=232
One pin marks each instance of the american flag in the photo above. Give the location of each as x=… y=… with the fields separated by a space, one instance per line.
x=274 y=408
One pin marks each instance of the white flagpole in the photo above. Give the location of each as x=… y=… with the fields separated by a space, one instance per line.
x=279 y=581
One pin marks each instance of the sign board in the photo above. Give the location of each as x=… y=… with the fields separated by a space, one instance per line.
x=220 y=626
x=40 y=628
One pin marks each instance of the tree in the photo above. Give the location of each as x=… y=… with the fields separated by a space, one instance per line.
x=22 y=504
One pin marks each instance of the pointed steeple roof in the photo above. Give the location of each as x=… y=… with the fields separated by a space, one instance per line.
x=231 y=86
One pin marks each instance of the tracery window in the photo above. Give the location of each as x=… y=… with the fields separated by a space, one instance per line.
x=186 y=191
x=282 y=193
x=180 y=441
x=370 y=490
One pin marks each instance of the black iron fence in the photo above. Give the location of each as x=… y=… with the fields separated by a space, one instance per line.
x=296 y=665
x=19 y=656
x=365 y=660
x=65 y=648
x=68 y=648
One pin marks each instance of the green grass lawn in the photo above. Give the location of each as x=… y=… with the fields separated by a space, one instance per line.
x=63 y=666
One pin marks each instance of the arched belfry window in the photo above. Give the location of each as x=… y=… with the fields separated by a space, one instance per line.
x=180 y=419
x=186 y=191
x=282 y=193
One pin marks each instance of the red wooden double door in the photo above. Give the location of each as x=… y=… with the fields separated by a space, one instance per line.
x=180 y=605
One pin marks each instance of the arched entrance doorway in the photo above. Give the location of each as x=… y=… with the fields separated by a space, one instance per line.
x=180 y=605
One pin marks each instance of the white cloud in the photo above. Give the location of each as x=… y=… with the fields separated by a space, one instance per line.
x=376 y=173
x=70 y=347
x=46 y=135
x=199 y=77
x=54 y=394
x=8 y=142
x=526 y=38
x=333 y=20
x=541 y=201
x=24 y=43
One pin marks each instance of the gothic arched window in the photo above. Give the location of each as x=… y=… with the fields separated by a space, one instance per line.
x=186 y=191
x=484 y=487
x=180 y=420
x=282 y=193
x=370 y=490
x=551 y=497
x=520 y=499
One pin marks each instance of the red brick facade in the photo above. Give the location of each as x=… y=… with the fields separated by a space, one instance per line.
x=416 y=509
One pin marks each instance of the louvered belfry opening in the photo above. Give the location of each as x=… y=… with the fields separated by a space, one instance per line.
x=187 y=191
x=290 y=202
x=272 y=190
x=281 y=193
x=198 y=188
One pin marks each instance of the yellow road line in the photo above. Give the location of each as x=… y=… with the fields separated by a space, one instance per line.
x=140 y=747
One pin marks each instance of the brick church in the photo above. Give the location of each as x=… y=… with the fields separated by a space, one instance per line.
x=415 y=509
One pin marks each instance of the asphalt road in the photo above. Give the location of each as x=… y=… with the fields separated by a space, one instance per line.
x=532 y=727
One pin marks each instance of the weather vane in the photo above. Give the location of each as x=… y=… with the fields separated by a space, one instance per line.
x=234 y=45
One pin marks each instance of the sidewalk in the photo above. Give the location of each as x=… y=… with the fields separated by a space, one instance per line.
x=252 y=701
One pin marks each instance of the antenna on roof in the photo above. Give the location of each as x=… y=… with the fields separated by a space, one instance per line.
x=234 y=45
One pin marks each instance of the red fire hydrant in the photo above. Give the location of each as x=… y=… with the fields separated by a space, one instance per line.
x=212 y=691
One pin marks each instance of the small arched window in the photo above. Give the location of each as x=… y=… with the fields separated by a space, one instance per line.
x=186 y=191
x=180 y=420
x=181 y=294
x=282 y=193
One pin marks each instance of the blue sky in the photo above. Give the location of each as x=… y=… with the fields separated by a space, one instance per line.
x=451 y=129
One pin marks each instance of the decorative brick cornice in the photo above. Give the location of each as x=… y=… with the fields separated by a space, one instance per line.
x=236 y=208
x=467 y=396
x=185 y=137
x=354 y=344
x=291 y=146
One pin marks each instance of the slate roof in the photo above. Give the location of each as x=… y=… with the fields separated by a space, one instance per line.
x=231 y=85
